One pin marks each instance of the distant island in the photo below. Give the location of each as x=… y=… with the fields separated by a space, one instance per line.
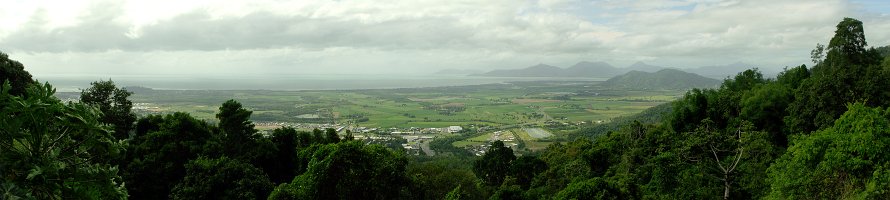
x=457 y=72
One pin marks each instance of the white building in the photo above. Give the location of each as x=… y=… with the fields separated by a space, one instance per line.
x=454 y=129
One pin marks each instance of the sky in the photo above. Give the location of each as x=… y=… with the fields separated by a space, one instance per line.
x=417 y=36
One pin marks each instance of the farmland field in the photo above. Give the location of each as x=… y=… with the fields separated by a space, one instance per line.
x=533 y=110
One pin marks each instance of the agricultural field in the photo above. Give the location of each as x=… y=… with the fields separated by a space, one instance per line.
x=520 y=103
x=537 y=111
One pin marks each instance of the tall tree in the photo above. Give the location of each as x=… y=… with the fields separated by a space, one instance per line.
x=286 y=165
x=52 y=150
x=723 y=153
x=14 y=72
x=238 y=134
x=115 y=107
x=157 y=158
x=850 y=72
x=494 y=166
x=331 y=135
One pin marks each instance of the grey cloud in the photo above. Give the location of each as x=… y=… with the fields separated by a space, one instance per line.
x=198 y=30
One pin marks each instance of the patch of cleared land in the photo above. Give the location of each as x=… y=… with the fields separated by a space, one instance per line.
x=537 y=132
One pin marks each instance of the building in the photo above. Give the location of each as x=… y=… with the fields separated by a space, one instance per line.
x=454 y=129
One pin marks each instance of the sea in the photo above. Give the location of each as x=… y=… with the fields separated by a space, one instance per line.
x=284 y=82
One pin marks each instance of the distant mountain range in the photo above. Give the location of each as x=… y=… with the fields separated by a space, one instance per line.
x=605 y=70
x=670 y=79
x=582 y=69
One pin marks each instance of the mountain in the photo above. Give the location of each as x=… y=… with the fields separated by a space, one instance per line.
x=592 y=69
x=581 y=69
x=643 y=67
x=457 y=72
x=540 y=70
x=664 y=79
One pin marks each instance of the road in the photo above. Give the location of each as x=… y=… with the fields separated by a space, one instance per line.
x=425 y=146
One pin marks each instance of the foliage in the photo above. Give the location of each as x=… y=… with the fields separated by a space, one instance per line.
x=525 y=168
x=846 y=160
x=14 y=72
x=435 y=178
x=595 y=188
x=157 y=157
x=764 y=106
x=237 y=133
x=286 y=166
x=348 y=170
x=222 y=178
x=494 y=166
x=115 y=107
x=849 y=73
x=52 y=150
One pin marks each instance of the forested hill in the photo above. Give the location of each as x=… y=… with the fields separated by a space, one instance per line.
x=664 y=79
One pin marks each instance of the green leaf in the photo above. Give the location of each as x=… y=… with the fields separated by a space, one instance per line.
x=34 y=172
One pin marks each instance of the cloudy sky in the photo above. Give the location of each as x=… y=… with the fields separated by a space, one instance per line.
x=417 y=36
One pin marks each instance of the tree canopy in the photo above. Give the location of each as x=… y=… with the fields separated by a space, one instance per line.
x=112 y=101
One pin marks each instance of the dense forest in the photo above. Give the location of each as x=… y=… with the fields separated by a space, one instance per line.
x=815 y=132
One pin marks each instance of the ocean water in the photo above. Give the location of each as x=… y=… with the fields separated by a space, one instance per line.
x=75 y=82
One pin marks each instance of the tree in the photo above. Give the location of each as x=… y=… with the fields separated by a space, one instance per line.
x=847 y=160
x=331 y=135
x=817 y=54
x=115 y=107
x=52 y=150
x=435 y=177
x=725 y=151
x=14 y=72
x=595 y=188
x=348 y=170
x=222 y=178
x=849 y=73
x=455 y=194
x=494 y=166
x=238 y=135
x=525 y=169
x=157 y=158
x=765 y=106
x=848 y=46
x=691 y=109
x=286 y=165
x=792 y=78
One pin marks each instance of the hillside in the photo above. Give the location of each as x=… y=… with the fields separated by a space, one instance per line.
x=592 y=69
x=663 y=79
x=643 y=67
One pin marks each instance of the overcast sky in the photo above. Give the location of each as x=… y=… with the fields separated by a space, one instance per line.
x=417 y=36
